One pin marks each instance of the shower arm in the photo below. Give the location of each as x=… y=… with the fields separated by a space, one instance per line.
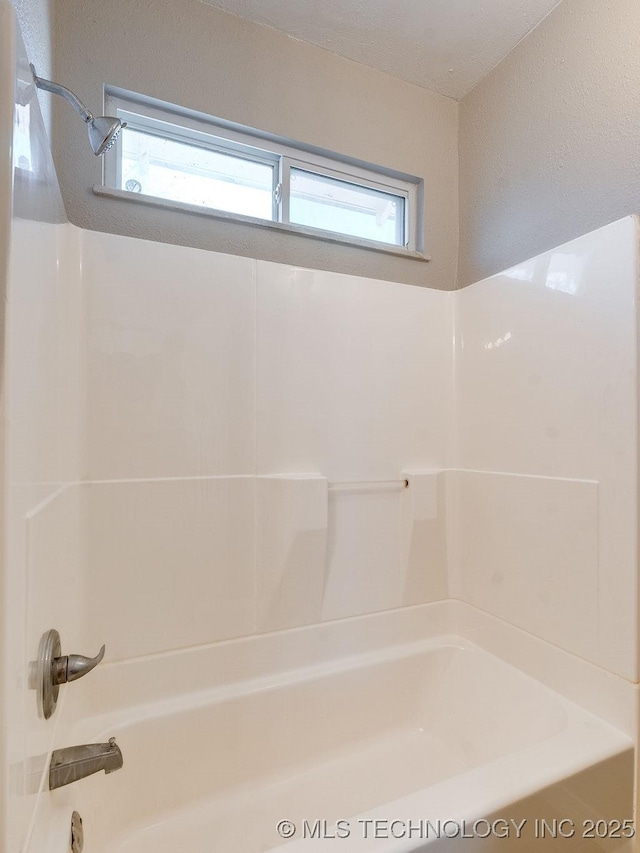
x=57 y=89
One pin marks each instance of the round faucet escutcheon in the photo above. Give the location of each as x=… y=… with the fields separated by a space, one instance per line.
x=53 y=669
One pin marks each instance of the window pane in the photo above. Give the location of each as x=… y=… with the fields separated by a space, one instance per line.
x=184 y=172
x=322 y=202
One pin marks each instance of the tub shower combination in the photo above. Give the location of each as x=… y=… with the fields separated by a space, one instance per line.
x=358 y=558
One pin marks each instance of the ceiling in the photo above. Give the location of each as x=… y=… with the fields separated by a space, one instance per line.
x=444 y=45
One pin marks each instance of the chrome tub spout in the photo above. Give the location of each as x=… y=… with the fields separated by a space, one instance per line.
x=76 y=762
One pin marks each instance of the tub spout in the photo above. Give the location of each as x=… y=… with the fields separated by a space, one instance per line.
x=76 y=762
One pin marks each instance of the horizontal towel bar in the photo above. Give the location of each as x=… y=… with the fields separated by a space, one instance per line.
x=369 y=485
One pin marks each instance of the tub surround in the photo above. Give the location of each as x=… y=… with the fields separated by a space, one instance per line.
x=292 y=520
x=546 y=387
x=268 y=385
x=516 y=530
x=505 y=405
x=496 y=540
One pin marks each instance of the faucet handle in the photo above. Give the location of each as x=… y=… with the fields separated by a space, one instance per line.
x=53 y=669
x=71 y=667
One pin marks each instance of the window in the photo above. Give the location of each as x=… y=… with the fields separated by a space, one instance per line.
x=179 y=158
x=334 y=204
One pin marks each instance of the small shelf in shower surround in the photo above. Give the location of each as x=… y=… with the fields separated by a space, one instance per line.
x=332 y=549
x=386 y=545
x=369 y=486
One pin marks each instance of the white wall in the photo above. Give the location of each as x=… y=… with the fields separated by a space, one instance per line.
x=546 y=390
x=207 y=371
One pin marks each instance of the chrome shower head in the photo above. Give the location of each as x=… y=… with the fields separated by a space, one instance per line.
x=103 y=130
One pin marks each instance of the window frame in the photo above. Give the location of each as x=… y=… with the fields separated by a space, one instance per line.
x=183 y=125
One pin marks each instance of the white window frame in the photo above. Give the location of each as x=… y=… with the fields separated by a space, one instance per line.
x=171 y=122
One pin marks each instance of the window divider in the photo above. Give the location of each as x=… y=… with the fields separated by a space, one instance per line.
x=285 y=203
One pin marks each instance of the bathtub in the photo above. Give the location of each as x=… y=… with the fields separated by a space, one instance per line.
x=403 y=748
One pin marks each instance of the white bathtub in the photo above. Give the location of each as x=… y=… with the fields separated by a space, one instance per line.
x=435 y=730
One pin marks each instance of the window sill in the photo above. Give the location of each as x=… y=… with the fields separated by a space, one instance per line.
x=326 y=236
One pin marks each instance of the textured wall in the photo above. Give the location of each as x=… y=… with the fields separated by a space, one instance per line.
x=550 y=140
x=189 y=53
x=35 y=18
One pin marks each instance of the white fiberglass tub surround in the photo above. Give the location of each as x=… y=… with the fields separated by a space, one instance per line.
x=436 y=729
x=223 y=737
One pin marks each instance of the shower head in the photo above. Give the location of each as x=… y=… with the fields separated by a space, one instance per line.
x=103 y=130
